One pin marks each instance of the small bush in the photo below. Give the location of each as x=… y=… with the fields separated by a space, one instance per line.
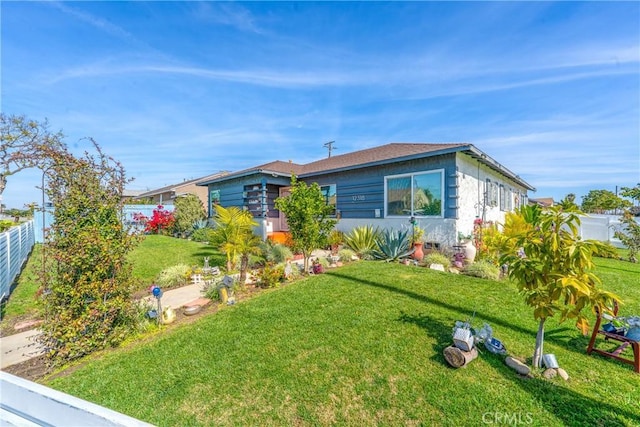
x=174 y=276
x=271 y=276
x=202 y=235
x=5 y=224
x=275 y=253
x=482 y=269
x=346 y=255
x=437 y=258
x=210 y=289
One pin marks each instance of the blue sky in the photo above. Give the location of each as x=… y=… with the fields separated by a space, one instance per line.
x=180 y=90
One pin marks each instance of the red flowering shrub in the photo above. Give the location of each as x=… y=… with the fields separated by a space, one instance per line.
x=161 y=221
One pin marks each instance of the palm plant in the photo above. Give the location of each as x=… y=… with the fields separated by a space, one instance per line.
x=233 y=229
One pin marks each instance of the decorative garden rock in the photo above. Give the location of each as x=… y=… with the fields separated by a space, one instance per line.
x=563 y=374
x=550 y=373
x=517 y=365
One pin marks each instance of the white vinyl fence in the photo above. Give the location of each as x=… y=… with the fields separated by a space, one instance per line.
x=15 y=247
x=601 y=227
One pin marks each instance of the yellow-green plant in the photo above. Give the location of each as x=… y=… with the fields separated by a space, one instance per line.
x=553 y=267
x=362 y=240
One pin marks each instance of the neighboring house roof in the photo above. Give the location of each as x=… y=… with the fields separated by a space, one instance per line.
x=384 y=154
x=174 y=187
x=131 y=193
x=544 y=202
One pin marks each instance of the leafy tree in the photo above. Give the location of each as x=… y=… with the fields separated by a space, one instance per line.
x=87 y=279
x=631 y=192
x=188 y=210
x=601 y=201
x=553 y=267
x=308 y=216
x=233 y=228
x=569 y=202
x=24 y=144
x=630 y=236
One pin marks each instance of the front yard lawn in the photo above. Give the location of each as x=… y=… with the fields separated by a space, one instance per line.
x=362 y=345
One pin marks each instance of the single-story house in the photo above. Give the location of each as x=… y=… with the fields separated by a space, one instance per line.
x=166 y=195
x=445 y=187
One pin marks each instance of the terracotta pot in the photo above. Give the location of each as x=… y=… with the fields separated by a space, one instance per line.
x=418 y=253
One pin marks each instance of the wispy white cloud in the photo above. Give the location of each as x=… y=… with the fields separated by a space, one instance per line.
x=225 y=13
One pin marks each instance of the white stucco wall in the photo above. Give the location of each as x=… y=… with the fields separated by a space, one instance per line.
x=472 y=185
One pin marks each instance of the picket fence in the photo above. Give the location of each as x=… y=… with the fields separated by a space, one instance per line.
x=15 y=247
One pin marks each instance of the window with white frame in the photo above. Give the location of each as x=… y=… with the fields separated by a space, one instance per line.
x=508 y=203
x=415 y=194
x=503 y=198
x=491 y=193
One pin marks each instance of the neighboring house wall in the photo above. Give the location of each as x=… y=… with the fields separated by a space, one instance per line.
x=192 y=188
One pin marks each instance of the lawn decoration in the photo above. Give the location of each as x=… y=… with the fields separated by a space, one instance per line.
x=157 y=294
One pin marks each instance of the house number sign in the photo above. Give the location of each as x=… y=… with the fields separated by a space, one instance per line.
x=358 y=198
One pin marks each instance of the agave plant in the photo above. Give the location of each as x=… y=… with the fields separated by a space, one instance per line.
x=362 y=240
x=200 y=224
x=393 y=245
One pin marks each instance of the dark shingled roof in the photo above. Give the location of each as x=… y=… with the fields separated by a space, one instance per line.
x=383 y=154
x=393 y=151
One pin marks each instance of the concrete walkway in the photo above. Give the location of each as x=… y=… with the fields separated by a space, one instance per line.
x=23 y=346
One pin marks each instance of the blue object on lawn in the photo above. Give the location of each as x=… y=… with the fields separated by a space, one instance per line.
x=495 y=346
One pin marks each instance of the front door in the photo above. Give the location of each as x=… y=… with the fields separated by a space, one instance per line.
x=284 y=192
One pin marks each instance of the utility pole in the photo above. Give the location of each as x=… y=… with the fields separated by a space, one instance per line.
x=330 y=146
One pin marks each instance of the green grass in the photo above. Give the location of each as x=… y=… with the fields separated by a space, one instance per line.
x=149 y=258
x=362 y=345
x=23 y=302
x=156 y=253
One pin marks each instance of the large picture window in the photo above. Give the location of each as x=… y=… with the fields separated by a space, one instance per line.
x=417 y=194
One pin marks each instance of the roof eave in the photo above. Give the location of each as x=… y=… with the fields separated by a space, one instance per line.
x=487 y=160
x=243 y=175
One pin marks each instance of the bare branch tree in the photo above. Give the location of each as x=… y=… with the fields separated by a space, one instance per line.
x=24 y=144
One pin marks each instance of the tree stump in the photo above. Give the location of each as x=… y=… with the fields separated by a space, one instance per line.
x=458 y=358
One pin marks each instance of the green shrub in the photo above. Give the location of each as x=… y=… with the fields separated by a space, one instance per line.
x=362 y=240
x=275 y=253
x=437 y=258
x=346 y=255
x=271 y=276
x=174 y=276
x=336 y=238
x=188 y=210
x=5 y=224
x=202 y=235
x=482 y=269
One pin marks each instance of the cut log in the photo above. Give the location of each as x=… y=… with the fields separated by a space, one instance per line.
x=458 y=358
